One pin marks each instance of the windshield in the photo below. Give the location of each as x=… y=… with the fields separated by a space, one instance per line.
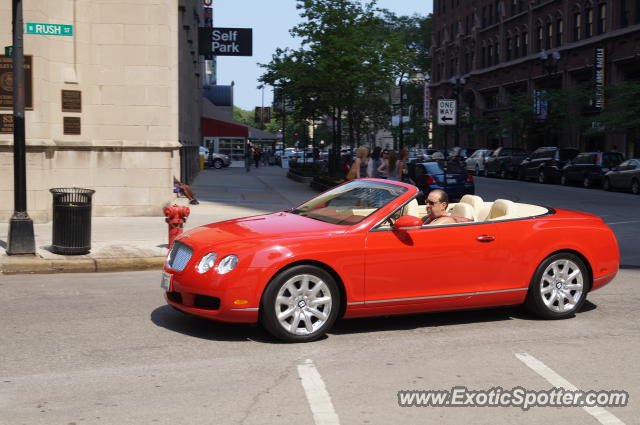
x=350 y=203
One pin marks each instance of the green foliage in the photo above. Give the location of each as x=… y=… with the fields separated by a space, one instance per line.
x=244 y=116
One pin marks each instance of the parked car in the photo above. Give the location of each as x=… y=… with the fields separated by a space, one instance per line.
x=545 y=164
x=430 y=175
x=504 y=162
x=460 y=152
x=477 y=160
x=218 y=160
x=360 y=250
x=589 y=168
x=625 y=176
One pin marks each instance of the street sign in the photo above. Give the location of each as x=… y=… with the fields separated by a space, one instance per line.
x=8 y=51
x=447 y=111
x=48 y=29
x=225 y=41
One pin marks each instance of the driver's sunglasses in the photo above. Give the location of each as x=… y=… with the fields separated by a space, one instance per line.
x=432 y=203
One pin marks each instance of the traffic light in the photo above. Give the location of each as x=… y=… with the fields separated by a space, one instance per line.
x=296 y=134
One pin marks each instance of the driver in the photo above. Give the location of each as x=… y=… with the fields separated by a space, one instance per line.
x=437 y=203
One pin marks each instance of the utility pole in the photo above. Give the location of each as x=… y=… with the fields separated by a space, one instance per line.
x=20 y=238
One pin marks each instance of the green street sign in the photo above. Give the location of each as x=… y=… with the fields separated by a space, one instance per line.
x=8 y=51
x=48 y=29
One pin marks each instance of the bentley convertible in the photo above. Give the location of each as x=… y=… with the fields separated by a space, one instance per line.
x=360 y=249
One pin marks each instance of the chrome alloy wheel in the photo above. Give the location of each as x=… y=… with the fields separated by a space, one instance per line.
x=303 y=304
x=561 y=286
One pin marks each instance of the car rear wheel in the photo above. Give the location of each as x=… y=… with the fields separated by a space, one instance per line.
x=300 y=304
x=586 y=182
x=606 y=184
x=559 y=287
x=635 y=187
x=218 y=164
x=541 y=177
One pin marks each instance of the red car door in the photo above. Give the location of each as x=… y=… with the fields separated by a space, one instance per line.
x=431 y=261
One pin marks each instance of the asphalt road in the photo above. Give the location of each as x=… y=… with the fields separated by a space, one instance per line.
x=105 y=349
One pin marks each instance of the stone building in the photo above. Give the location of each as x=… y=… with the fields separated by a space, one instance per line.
x=113 y=107
x=501 y=47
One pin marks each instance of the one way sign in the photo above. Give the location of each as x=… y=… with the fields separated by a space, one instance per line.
x=447 y=111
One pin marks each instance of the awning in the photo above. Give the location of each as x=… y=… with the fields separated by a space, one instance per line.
x=211 y=127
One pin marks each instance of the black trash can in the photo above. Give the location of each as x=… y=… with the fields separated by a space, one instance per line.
x=71 y=234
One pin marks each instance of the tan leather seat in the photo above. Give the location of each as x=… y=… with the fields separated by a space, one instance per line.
x=413 y=208
x=500 y=208
x=476 y=203
x=463 y=210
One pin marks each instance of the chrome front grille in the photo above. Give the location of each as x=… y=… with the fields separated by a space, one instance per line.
x=179 y=256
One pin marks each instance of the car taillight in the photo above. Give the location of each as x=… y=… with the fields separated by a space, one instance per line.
x=469 y=178
x=597 y=158
x=430 y=180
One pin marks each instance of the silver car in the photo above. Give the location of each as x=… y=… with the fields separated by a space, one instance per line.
x=477 y=160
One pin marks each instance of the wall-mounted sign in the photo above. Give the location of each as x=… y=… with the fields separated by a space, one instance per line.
x=71 y=125
x=48 y=29
x=225 y=41
x=6 y=82
x=71 y=101
x=599 y=78
x=6 y=123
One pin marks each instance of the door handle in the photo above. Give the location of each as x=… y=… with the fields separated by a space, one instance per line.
x=485 y=238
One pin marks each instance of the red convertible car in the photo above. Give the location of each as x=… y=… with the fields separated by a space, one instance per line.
x=360 y=249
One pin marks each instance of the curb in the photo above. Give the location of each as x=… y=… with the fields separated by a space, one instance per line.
x=37 y=265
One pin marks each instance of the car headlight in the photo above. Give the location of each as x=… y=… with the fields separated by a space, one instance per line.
x=227 y=264
x=206 y=263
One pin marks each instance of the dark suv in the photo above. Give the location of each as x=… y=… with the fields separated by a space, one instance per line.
x=504 y=162
x=589 y=168
x=545 y=164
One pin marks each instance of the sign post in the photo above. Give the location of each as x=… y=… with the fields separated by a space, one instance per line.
x=20 y=239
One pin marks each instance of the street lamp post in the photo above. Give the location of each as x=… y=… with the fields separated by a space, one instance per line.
x=401 y=123
x=457 y=85
x=549 y=62
x=20 y=239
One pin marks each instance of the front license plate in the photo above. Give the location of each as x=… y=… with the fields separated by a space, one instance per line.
x=165 y=283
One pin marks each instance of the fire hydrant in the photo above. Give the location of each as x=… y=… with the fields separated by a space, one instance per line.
x=176 y=217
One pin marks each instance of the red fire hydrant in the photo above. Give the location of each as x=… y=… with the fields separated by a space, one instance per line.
x=176 y=217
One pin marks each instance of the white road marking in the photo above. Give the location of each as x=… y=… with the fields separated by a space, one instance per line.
x=624 y=222
x=317 y=395
x=602 y=415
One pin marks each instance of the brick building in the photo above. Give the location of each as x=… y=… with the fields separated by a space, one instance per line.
x=495 y=47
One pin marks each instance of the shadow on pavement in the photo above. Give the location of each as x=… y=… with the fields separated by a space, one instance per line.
x=624 y=266
x=437 y=319
x=3 y=244
x=169 y=318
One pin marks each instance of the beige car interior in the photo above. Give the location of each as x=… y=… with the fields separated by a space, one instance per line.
x=474 y=208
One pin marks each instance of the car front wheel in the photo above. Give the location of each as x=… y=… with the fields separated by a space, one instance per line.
x=541 y=177
x=218 y=164
x=300 y=304
x=559 y=287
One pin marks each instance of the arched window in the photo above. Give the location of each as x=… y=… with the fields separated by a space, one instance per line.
x=602 y=17
x=549 y=36
x=539 y=36
x=517 y=46
x=577 y=25
x=588 y=22
x=509 y=46
x=525 y=43
x=559 y=30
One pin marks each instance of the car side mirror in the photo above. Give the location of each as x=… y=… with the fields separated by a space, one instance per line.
x=407 y=222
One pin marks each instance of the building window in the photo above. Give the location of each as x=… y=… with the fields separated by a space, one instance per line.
x=549 y=35
x=602 y=18
x=559 y=31
x=539 y=36
x=509 y=49
x=518 y=47
x=491 y=14
x=637 y=11
x=514 y=7
x=588 y=23
x=490 y=58
x=483 y=23
x=497 y=51
x=497 y=9
x=624 y=13
x=525 y=43
x=577 y=26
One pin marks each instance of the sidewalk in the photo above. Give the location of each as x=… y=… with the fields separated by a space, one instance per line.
x=139 y=243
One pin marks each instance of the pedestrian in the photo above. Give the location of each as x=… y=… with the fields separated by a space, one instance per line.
x=403 y=172
x=179 y=187
x=248 y=154
x=256 y=156
x=375 y=161
x=389 y=166
x=362 y=162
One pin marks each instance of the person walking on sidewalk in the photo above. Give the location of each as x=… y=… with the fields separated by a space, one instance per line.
x=248 y=156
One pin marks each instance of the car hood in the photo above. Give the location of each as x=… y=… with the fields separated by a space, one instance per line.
x=262 y=227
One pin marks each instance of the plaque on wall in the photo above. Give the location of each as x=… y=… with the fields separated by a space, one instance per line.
x=71 y=125
x=71 y=101
x=6 y=123
x=6 y=82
